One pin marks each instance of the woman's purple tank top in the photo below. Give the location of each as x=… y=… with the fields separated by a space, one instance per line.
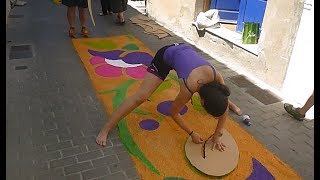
x=183 y=59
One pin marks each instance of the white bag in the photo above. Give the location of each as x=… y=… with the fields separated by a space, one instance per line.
x=207 y=19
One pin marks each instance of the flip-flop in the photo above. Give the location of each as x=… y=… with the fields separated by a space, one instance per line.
x=293 y=112
x=84 y=32
x=72 y=32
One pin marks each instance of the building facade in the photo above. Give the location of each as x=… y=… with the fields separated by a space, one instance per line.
x=276 y=57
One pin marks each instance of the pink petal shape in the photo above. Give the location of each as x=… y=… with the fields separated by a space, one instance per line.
x=96 y=60
x=136 y=72
x=107 y=70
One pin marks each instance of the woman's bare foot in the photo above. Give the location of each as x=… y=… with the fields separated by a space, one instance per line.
x=102 y=137
x=235 y=109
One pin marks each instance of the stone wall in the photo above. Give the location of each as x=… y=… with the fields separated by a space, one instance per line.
x=279 y=29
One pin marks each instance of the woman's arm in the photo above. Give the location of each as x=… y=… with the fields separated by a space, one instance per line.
x=182 y=98
x=176 y=107
x=219 y=132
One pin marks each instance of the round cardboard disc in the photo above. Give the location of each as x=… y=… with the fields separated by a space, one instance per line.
x=216 y=163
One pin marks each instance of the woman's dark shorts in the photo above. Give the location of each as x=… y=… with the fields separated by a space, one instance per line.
x=74 y=3
x=118 y=6
x=158 y=67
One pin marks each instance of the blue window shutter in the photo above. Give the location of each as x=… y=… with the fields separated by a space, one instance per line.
x=251 y=11
x=228 y=9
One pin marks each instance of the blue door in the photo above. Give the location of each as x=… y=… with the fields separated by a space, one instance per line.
x=251 y=11
x=228 y=10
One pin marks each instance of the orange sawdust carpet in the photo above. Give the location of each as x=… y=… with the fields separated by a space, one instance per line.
x=116 y=66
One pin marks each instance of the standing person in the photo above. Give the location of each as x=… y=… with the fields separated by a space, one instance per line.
x=119 y=7
x=71 y=15
x=195 y=75
x=106 y=7
x=300 y=113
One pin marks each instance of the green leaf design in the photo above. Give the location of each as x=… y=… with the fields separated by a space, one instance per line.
x=163 y=86
x=196 y=103
x=160 y=118
x=132 y=147
x=124 y=133
x=141 y=111
x=102 y=44
x=131 y=47
x=174 y=77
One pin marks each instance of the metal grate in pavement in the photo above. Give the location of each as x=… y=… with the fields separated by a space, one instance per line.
x=16 y=16
x=20 y=67
x=20 y=52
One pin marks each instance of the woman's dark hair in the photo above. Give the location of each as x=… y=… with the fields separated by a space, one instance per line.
x=215 y=97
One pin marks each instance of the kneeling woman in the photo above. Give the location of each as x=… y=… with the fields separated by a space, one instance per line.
x=195 y=75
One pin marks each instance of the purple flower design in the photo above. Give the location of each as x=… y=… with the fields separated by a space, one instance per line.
x=131 y=63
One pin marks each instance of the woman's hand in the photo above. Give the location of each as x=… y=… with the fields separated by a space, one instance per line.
x=196 y=138
x=216 y=143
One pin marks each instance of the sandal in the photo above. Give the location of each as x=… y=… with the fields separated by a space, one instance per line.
x=119 y=22
x=84 y=32
x=72 y=32
x=293 y=112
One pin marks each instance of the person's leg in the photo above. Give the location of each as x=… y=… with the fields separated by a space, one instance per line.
x=82 y=16
x=234 y=108
x=71 y=14
x=121 y=16
x=103 y=7
x=147 y=87
x=108 y=7
x=122 y=9
x=310 y=102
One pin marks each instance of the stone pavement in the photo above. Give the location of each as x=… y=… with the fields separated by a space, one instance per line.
x=53 y=113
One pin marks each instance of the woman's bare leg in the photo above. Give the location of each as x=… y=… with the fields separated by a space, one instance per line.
x=121 y=16
x=310 y=102
x=147 y=87
x=71 y=14
x=82 y=16
x=235 y=108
